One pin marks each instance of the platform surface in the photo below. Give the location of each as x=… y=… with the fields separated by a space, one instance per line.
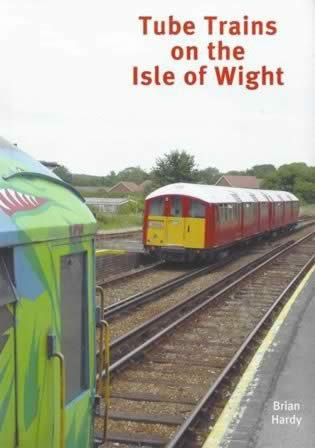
x=273 y=405
x=119 y=231
x=129 y=243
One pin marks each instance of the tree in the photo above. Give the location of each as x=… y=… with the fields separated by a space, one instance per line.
x=298 y=178
x=64 y=174
x=236 y=173
x=110 y=180
x=132 y=174
x=261 y=171
x=175 y=166
x=208 y=176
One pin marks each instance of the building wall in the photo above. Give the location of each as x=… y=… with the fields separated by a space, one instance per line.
x=111 y=266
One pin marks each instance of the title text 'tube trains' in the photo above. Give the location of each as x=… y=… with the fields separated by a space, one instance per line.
x=183 y=221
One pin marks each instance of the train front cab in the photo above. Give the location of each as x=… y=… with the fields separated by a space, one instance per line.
x=47 y=309
x=176 y=224
x=47 y=367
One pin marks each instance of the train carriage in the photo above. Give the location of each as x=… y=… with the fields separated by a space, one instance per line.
x=47 y=309
x=184 y=220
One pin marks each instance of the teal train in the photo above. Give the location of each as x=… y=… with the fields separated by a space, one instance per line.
x=47 y=308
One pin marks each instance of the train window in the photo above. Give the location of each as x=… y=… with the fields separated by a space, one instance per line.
x=197 y=209
x=230 y=212
x=221 y=214
x=217 y=211
x=74 y=315
x=7 y=294
x=176 y=206
x=156 y=207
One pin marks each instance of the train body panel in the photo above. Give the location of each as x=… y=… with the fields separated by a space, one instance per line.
x=47 y=290
x=180 y=218
x=170 y=231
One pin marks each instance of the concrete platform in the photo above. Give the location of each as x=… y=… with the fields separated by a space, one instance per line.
x=119 y=231
x=126 y=241
x=273 y=405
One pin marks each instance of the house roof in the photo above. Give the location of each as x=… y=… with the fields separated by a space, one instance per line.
x=107 y=201
x=85 y=188
x=241 y=181
x=131 y=186
x=145 y=183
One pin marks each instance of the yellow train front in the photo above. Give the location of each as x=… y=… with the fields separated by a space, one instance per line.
x=189 y=221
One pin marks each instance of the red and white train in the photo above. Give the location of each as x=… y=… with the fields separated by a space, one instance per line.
x=185 y=220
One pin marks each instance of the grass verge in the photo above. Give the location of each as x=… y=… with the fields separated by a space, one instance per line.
x=308 y=210
x=109 y=222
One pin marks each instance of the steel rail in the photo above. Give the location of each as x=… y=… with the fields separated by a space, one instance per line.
x=132 y=274
x=182 y=305
x=158 y=291
x=241 y=276
x=177 y=440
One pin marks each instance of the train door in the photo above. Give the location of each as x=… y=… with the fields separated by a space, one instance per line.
x=156 y=225
x=74 y=274
x=8 y=423
x=195 y=225
x=175 y=222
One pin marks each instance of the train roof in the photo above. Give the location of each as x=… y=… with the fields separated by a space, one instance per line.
x=220 y=195
x=35 y=204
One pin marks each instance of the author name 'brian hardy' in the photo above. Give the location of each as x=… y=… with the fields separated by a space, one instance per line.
x=287 y=413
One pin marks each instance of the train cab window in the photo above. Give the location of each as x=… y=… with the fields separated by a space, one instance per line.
x=156 y=207
x=74 y=316
x=197 y=209
x=7 y=294
x=176 y=206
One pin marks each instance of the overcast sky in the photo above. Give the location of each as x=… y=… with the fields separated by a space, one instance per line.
x=66 y=90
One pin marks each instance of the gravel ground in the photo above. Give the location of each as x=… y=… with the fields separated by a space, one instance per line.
x=129 y=287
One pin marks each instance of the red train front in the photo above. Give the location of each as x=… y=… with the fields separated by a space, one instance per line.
x=185 y=220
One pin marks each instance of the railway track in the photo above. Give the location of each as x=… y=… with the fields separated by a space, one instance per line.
x=143 y=271
x=160 y=386
x=128 y=315
x=126 y=305
x=132 y=274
